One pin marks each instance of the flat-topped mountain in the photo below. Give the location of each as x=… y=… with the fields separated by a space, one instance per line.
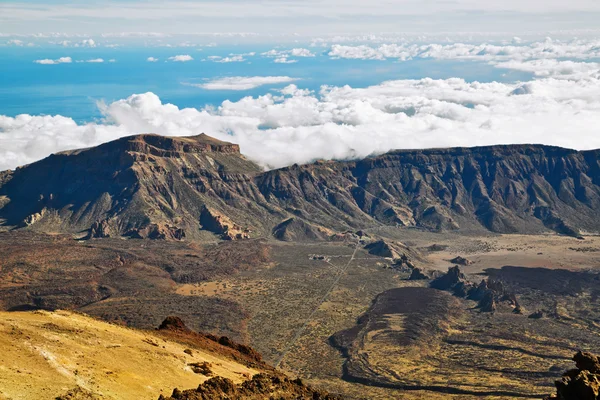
x=175 y=187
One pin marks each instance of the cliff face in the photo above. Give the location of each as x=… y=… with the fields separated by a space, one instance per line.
x=159 y=187
x=505 y=189
x=146 y=185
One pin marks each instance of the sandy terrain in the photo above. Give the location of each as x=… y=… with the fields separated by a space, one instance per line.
x=44 y=355
x=547 y=251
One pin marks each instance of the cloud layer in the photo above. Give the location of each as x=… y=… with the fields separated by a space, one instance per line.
x=47 y=61
x=299 y=16
x=181 y=58
x=243 y=83
x=297 y=126
x=547 y=49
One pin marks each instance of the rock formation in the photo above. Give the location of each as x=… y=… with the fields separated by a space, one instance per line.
x=449 y=281
x=381 y=248
x=418 y=274
x=261 y=386
x=488 y=293
x=460 y=261
x=176 y=325
x=581 y=383
x=214 y=221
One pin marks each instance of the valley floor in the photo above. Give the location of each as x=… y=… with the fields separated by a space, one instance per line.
x=290 y=301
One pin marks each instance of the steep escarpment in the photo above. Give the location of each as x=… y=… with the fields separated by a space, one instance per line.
x=504 y=188
x=174 y=188
x=141 y=186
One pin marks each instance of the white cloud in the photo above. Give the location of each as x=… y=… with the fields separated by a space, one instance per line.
x=181 y=58
x=62 y=60
x=152 y=59
x=231 y=59
x=96 y=60
x=69 y=43
x=282 y=56
x=15 y=42
x=547 y=49
x=550 y=67
x=86 y=43
x=297 y=126
x=243 y=83
x=284 y=60
x=301 y=53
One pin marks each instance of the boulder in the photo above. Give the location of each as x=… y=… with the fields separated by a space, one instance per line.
x=537 y=315
x=461 y=261
x=582 y=383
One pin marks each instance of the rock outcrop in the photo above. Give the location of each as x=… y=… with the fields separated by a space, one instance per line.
x=418 y=274
x=461 y=261
x=450 y=280
x=581 y=383
x=261 y=386
x=214 y=221
x=175 y=325
x=172 y=323
x=381 y=248
x=100 y=229
x=488 y=293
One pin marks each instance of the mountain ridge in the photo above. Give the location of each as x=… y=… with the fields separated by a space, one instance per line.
x=175 y=187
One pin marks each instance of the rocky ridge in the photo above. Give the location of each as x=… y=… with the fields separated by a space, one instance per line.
x=169 y=187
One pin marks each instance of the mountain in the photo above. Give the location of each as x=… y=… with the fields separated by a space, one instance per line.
x=158 y=187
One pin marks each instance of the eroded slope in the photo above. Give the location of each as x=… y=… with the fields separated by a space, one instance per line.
x=44 y=355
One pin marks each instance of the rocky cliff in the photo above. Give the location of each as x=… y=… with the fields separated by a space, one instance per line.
x=175 y=187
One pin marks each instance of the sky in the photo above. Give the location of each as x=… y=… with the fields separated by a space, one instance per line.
x=303 y=17
x=295 y=81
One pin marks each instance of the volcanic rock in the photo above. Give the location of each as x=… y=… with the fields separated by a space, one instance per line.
x=381 y=248
x=588 y=362
x=296 y=229
x=537 y=315
x=100 y=229
x=418 y=274
x=448 y=281
x=173 y=323
x=216 y=222
x=261 y=386
x=150 y=182
x=582 y=383
x=488 y=293
x=479 y=292
x=488 y=302
x=461 y=261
